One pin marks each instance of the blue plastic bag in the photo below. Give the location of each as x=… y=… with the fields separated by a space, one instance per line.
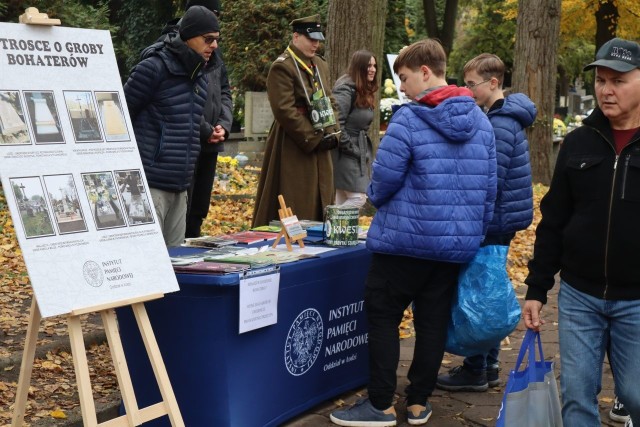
x=484 y=308
x=531 y=398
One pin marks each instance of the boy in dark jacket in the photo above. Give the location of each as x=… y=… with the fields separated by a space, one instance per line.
x=434 y=185
x=166 y=93
x=509 y=116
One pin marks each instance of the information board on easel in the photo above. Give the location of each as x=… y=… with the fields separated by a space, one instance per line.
x=291 y=229
x=69 y=160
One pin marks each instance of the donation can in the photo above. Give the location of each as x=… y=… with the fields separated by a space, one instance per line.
x=341 y=225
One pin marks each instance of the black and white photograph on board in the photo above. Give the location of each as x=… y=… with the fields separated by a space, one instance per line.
x=13 y=124
x=102 y=194
x=44 y=117
x=111 y=116
x=64 y=201
x=34 y=213
x=135 y=197
x=83 y=116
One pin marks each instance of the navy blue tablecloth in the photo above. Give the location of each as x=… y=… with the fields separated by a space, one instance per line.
x=317 y=349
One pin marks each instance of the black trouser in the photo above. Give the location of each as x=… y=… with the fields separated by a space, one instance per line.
x=200 y=193
x=392 y=284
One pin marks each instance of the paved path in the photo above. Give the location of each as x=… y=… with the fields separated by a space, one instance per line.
x=449 y=409
x=468 y=409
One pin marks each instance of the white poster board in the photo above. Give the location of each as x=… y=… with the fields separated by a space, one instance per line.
x=391 y=58
x=71 y=172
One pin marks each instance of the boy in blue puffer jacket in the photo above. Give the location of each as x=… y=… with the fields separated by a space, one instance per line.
x=509 y=116
x=434 y=185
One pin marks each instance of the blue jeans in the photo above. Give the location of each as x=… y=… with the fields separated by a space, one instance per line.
x=586 y=326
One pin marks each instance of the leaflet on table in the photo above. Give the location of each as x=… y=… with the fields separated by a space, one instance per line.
x=271 y=228
x=304 y=223
x=211 y=254
x=307 y=250
x=266 y=257
x=249 y=237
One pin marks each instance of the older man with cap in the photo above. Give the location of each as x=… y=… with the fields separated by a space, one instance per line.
x=166 y=93
x=590 y=233
x=297 y=160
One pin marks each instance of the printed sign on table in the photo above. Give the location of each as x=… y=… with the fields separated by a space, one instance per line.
x=71 y=172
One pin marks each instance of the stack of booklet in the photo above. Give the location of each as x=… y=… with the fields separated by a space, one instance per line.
x=210 y=267
x=209 y=241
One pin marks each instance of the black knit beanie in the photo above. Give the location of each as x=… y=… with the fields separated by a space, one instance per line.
x=212 y=5
x=196 y=21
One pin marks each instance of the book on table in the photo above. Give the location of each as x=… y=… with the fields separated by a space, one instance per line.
x=250 y=236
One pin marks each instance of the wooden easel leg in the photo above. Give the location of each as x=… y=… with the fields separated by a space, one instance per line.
x=159 y=369
x=27 y=364
x=120 y=365
x=81 y=366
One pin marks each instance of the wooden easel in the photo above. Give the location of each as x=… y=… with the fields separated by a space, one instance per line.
x=285 y=212
x=134 y=416
x=31 y=15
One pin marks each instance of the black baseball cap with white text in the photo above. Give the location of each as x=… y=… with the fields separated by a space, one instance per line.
x=618 y=54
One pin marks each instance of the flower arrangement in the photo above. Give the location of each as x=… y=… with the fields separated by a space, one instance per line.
x=386 y=109
x=389 y=98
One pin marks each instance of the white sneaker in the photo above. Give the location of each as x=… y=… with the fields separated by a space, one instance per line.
x=629 y=423
x=618 y=412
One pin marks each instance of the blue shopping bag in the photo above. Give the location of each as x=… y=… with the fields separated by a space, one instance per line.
x=484 y=309
x=531 y=396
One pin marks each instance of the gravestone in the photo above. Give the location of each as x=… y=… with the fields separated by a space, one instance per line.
x=258 y=115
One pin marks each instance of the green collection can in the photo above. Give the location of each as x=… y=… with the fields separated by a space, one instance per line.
x=341 y=225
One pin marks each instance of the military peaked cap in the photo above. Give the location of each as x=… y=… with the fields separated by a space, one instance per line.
x=309 y=26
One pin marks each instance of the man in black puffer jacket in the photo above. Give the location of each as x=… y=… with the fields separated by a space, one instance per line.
x=166 y=94
x=214 y=127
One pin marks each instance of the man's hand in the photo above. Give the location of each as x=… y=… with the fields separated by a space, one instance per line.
x=328 y=142
x=531 y=314
x=217 y=135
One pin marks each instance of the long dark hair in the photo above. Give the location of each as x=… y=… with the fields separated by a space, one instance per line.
x=365 y=90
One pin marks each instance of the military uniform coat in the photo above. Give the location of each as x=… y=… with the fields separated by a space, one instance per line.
x=296 y=164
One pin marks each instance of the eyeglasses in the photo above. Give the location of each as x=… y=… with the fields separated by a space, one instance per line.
x=471 y=85
x=211 y=39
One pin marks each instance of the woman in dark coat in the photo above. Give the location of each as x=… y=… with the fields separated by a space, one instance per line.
x=354 y=93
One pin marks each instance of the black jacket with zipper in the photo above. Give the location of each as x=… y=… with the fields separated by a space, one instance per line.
x=590 y=227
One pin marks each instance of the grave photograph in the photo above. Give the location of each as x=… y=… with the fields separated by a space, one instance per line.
x=64 y=201
x=82 y=113
x=135 y=197
x=103 y=199
x=44 y=117
x=34 y=213
x=13 y=128
x=112 y=117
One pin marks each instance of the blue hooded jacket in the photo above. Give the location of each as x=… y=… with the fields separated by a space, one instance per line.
x=514 y=200
x=434 y=179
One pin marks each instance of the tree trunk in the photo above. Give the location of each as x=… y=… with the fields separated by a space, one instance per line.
x=537 y=39
x=354 y=25
x=607 y=17
x=445 y=32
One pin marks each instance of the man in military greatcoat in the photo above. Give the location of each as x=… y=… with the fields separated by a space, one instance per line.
x=297 y=158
